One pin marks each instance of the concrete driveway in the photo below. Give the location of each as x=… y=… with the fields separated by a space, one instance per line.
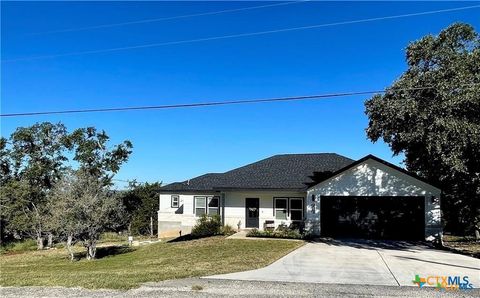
x=363 y=262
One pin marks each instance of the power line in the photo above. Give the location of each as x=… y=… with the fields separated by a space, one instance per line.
x=168 y=18
x=218 y=103
x=151 y=45
x=190 y=105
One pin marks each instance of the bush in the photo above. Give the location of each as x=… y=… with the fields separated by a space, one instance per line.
x=227 y=230
x=282 y=231
x=257 y=233
x=19 y=246
x=113 y=237
x=207 y=226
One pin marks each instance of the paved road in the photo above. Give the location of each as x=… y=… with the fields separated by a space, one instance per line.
x=223 y=288
x=364 y=263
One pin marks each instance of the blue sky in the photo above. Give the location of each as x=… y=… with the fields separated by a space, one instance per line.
x=171 y=145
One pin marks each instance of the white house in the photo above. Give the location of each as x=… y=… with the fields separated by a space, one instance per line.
x=328 y=194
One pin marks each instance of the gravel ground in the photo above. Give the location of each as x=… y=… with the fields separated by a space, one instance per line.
x=222 y=288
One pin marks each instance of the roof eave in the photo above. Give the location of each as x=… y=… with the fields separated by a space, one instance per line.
x=187 y=191
x=220 y=189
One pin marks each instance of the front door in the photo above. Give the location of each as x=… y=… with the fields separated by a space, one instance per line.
x=252 y=210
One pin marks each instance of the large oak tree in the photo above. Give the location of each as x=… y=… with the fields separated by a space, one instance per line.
x=34 y=158
x=431 y=113
x=31 y=165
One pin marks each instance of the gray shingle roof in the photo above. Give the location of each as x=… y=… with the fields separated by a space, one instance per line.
x=285 y=171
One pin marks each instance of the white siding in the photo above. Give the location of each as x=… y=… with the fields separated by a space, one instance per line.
x=185 y=203
x=235 y=206
x=372 y=178
x=173 y=220
x=234 y=209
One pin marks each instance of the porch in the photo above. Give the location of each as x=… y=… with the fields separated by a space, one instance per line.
x=260 y=210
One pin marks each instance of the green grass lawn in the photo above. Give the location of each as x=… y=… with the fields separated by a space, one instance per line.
x=129 y=268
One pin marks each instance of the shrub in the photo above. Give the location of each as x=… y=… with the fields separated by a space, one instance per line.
x=257 y=233
x=197 y=288
x=19 y=246
x=112 y=237
x=207 y=226
x=227 y=230
x=282 y=231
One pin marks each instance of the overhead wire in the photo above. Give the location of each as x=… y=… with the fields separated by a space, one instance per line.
x=152 y=20
x=248 y=34
x=220 y=103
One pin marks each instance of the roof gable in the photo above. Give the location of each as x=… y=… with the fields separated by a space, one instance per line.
x=377 y=159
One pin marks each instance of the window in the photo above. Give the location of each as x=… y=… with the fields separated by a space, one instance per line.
x=280 y=208
x=206 y=205
x=175 y=201
x=213 y=206
x=200 y=206
x=288 y=209
x=296 y=209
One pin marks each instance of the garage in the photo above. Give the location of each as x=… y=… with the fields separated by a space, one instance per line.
x=374 y=199
x=373 y=217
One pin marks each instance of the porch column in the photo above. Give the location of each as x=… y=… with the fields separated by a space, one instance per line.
x=222 y=208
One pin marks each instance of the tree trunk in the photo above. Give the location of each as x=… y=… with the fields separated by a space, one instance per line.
x=91 y=249
x=50 y=240
x=477 y=232
x=151 y=227
x=476 y=227
x=16 y=236
x=70 y=247
x=39 y=241
x=2 y=226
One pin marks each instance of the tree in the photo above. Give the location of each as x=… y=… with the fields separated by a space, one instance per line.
x=432 y=115
x=14 y=212
x=35 y=158
x=83 y=208
x=141 y=205
x=31 y=166
x=93 y=155
x=5 y=162
x=5 y=176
